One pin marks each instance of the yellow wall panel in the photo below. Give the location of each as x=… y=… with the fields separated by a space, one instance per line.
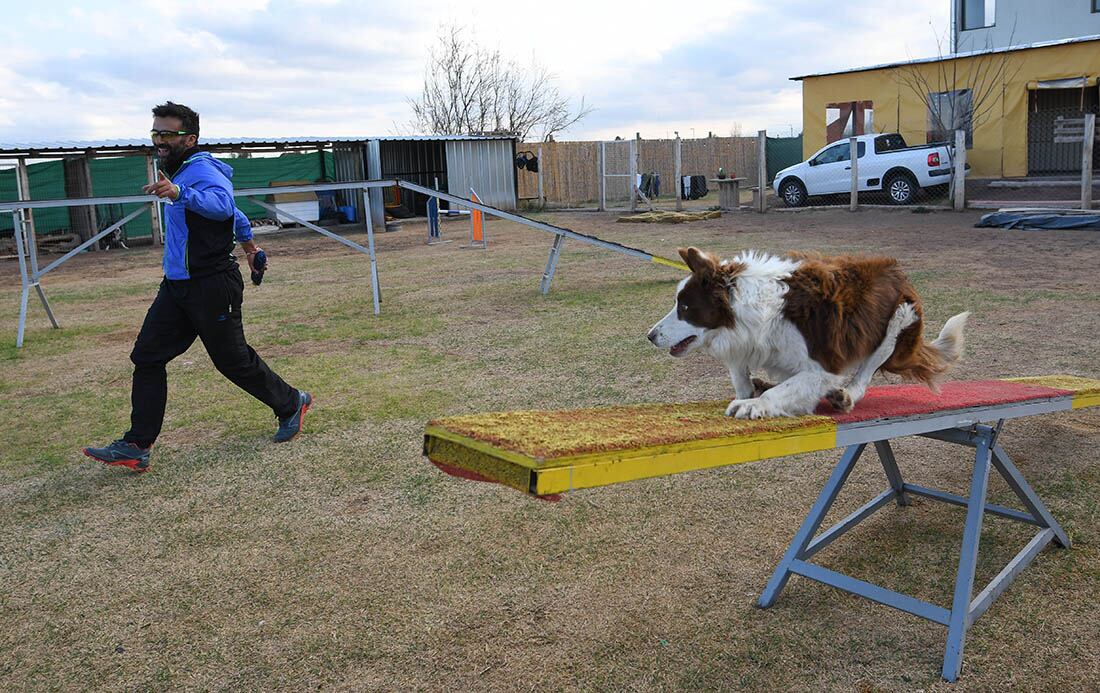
x=1000 y=135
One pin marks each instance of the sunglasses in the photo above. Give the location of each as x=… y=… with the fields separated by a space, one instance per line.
x=165 y=134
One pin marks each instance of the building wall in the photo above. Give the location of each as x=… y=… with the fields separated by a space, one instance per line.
x=487 y=166
x=1000 y=140
x=1022 y=22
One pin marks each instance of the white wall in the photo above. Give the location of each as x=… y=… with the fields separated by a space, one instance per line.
x=1018 y=22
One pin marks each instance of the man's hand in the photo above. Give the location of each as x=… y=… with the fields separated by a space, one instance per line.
x=162 y=188
x=250 y=249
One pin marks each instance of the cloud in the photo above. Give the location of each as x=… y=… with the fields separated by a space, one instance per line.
x=284 y=68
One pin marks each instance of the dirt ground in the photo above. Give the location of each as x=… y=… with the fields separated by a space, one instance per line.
x=344 y=561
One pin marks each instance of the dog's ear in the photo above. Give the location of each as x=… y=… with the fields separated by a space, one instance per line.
x=701 y=264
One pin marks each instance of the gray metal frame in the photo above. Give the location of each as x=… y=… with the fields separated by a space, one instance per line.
x=965 y=608
x=560 y=231
x=31 y=277
x=28 y=253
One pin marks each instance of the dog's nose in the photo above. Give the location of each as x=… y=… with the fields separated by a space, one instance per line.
x=652 y=336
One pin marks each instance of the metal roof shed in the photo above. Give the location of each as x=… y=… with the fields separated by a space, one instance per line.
x=460 y=162
x=484 y=164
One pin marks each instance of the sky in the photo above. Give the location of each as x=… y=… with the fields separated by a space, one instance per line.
x=285 y=68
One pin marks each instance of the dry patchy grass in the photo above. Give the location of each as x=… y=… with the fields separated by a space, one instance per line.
x=344 y=560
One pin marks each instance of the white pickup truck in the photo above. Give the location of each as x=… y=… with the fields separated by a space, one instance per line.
x=885 y=163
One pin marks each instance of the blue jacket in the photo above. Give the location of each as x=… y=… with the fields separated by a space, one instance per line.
x=203 y=224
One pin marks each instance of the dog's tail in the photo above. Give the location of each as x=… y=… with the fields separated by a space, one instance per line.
x=927 y=361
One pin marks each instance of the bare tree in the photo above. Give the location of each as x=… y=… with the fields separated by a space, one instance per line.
x=957 y=96
x=469 y=89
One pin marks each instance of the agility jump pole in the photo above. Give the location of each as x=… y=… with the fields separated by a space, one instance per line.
x=546 y=453
x=560 y=232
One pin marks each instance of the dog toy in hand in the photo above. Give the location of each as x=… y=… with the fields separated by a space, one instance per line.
x=259 y=266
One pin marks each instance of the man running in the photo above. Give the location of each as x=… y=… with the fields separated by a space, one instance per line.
x=200 y=295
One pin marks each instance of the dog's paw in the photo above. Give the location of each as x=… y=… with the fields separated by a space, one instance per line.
x=904 y=316
x=840 y=400
x=755 y=408
x=759 y=386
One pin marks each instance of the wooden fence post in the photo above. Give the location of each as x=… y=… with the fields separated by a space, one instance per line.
x=762 y=170
x=853 y=159
x=634 y=172
x=542 y=194
x=603 y=176
x=1086 y=161
x=677 y=154
x=23 y=191
x=959 y=174
x=154 y=207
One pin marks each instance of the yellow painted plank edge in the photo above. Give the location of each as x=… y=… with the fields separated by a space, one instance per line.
x=670 y=263
x=672 y=460
x=1086 y=391
x=484 y=464
x=1086 y=399
x=587 y=471
x=482 y=447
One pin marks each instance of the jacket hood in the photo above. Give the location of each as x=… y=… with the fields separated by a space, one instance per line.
x=223 y=168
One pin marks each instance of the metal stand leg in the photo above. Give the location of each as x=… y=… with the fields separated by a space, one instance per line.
x=890 y=466
x=374 y=288
x=551 y=264
x=1027 y=495
x=46 y=304
x=17 y=228
x=810 y=524
x=965 y=609
x=968 y=560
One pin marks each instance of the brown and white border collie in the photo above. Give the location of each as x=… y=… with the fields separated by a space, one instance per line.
x=821 y=326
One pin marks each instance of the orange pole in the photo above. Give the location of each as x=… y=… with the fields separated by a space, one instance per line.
x=478 y=217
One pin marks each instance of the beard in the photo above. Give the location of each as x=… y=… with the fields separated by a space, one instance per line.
x=170 y=162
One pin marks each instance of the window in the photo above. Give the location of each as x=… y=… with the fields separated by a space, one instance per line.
x=840 y=152
x=1096 y=5
x=848 y=118
x=979 y=14
x=949 y=111
x=889 y=143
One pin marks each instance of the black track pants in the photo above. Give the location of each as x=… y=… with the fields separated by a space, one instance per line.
x=208 y=308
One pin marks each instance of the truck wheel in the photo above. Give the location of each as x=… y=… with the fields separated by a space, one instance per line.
x=793 y=193
x=901 y=188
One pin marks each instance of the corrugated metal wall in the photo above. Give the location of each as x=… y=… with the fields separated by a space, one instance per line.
x=374 y=172
x=416 y=161
x=487 y=166
x=348 y=162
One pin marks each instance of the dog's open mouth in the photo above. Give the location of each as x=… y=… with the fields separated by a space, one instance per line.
x=681 y=346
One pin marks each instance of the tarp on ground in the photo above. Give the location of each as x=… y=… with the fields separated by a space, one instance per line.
x=1039 y=220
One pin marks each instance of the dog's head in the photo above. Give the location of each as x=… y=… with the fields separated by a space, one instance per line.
x=702 y=304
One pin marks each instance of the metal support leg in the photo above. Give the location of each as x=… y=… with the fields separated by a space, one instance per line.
x=890 y=466
x=1027 y=495
x=376 y=294
x=964 y=609
x=551 y=265
x=968 y=560
x=17 y=228
x=46 y=305
x=811 y=524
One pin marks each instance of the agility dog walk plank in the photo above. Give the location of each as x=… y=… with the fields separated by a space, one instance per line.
x=545 y=453
x=551 y=452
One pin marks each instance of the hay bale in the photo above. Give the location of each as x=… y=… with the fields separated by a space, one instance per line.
x=669 y=217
